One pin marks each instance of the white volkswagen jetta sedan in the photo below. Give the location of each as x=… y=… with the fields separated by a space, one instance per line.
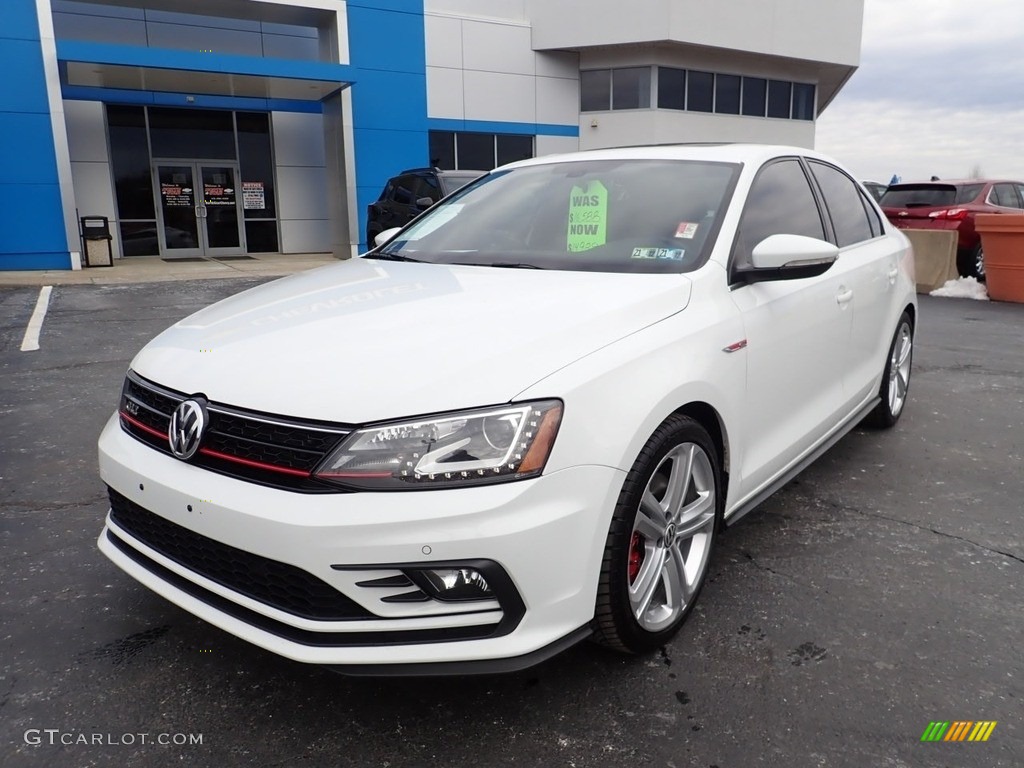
x=520 y=421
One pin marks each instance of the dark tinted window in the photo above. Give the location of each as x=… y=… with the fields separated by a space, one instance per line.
x=405 y=190
x=129 y=150
x=778 y=98
x=700 y=91
x=803 y=101
x=631 y=88
x=475 y=150
x=780 y=203
x=754 y=90
x=256 y=164
x=261 y=236
x=920 y=195
x=442 y=149
x=671 y=88
x=727 y=94
x=844 y=203
x=512 y=148
x=595 y=90
x=189 y=133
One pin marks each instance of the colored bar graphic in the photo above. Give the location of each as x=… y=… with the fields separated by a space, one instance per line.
x=935 y=731
x=958 y=730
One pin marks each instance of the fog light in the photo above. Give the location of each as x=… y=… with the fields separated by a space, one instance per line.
x=457 y=584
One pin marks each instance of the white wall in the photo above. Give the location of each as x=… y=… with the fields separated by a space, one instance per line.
x=90 y=165
x=302 y=198
x=486 y=69
x=817 y=30
x=648 y=126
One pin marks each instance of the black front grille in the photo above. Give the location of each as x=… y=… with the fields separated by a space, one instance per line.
x=276 y=584
x=252 y=446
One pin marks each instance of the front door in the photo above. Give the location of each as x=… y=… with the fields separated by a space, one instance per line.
x=200 y=209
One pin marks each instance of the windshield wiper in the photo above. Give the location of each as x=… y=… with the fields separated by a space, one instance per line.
x=502 y=264
x=383 y=256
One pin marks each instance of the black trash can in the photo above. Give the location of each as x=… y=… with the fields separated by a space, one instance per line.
x=97 y=250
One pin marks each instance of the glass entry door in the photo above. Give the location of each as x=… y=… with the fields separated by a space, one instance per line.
x=200 y=209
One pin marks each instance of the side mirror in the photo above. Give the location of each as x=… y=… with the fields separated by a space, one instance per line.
x=789 y=257
x=423 y=203
x=385 y=237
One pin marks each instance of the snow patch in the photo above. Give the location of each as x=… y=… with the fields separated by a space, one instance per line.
x=962 y=288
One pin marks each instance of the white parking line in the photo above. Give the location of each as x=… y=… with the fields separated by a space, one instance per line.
x=35 y=323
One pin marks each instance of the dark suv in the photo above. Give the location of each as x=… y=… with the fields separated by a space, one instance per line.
x=411 y=192
x=952 y=205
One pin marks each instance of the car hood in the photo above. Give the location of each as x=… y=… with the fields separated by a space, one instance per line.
x=366 y=340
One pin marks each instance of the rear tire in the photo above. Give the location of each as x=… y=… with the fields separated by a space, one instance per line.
x=660 y=541
x=978 y=263
x=896 y=377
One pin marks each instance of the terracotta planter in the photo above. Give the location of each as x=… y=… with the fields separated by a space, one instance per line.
x=1002 y=240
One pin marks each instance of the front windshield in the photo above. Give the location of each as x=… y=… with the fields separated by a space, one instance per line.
x=593 y=215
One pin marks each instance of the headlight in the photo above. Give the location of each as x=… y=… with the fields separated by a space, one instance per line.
x=488 y=445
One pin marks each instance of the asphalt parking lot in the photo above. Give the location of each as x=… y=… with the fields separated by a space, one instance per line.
x=880 y=591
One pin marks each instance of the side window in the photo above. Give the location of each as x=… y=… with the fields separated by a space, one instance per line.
x=874 y=220
x=405 y=190
x=780 y=203
x=389 y=191
x=844 y=204
x=1020 y=191
x=1004 y=195
x=429 y=186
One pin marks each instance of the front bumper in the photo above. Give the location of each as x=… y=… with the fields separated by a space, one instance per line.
x=546 y=535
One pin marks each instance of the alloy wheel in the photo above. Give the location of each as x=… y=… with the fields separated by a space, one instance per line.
x=670 y=544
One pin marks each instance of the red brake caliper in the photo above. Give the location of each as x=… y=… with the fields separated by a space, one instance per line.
x=636 y=555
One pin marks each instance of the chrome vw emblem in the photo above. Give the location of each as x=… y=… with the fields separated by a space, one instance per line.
x=188 y=422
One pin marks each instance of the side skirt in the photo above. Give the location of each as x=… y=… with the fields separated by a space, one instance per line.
x=802 y=463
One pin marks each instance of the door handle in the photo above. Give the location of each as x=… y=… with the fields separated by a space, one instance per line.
x=844 y=296
x=199 y=211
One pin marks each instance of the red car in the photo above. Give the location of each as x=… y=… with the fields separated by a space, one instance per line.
x=953 y=205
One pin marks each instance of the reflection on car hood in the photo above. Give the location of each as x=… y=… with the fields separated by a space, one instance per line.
x=366 y=340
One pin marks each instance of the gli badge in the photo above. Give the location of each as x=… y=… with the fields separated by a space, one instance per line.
x=188 y=423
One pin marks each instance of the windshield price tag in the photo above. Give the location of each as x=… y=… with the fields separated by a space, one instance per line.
x=588 y=215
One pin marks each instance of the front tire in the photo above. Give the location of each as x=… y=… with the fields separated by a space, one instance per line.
x=660 y=541
x=896 y=377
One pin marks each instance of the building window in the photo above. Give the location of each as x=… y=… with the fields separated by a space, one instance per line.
x=727 y=94
x=451 y=151
x=754 y=92
x=700 y=92
x=779 y=95
x=803 y=101
x=604 y=89
x=671 y=88
x=595 y=90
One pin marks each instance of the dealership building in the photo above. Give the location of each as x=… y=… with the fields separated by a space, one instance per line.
x=221 y=128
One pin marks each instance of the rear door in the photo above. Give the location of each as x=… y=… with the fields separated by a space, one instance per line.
x=869 y=266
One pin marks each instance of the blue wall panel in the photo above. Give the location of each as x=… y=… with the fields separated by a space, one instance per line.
x=23 y=84
x=387 y=48
x=19 y=20
x=31 y=212
x=26 y=161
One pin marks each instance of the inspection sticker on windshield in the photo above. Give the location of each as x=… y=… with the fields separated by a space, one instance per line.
x=661 y=254
x=687 y=229
x=588 y=214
